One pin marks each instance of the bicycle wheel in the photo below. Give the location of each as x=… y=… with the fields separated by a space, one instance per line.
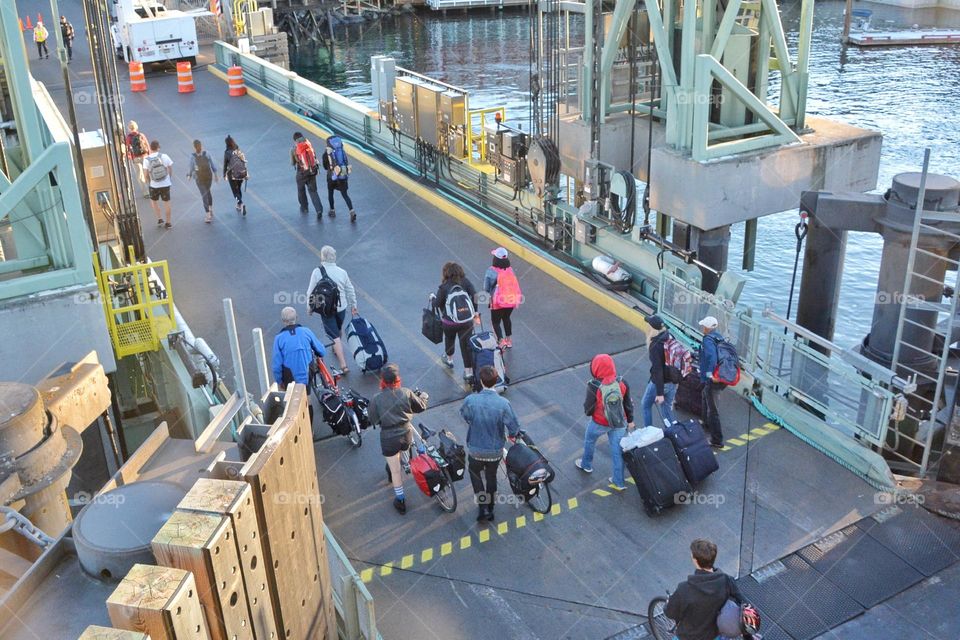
x=542 y=500
x=661 y=626
x=447 y=496
x=355 y=438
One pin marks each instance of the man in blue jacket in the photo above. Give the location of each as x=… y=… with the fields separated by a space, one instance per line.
x=293 y=351
x=490 y=419
x=709 y=356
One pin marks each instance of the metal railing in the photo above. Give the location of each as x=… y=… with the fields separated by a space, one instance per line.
x=438 y=5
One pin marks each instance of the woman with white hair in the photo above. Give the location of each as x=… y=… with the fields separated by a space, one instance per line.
x=333 y=322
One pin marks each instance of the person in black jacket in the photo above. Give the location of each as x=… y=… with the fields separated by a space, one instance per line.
x=695 y=603
x=662 y=387
x=461 y=295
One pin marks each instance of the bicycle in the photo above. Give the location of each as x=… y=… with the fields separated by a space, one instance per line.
x=662 y=627
x=324 y=381
x=446 y=495
x=538 y=496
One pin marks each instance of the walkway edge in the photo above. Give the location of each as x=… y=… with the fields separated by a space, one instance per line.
x=581 y=286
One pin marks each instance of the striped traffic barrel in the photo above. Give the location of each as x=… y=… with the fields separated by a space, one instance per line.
x=235 y=81
x=184 y=77
x=137 y=80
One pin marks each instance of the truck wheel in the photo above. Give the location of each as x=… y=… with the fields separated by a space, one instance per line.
x=193 y=61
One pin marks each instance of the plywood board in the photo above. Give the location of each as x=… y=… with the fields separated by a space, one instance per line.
x=234 y=499
x=95 y=632
x=205 y=544
x=284 y=482
x=159 y=601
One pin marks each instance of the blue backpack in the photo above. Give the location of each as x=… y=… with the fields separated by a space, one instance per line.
x=339 y=158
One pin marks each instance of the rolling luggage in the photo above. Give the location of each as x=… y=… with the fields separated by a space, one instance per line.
x=696 y=457
x=486 y=352
x=427 y=474
x=689 y=395
x=658 y=475
x=365 y=344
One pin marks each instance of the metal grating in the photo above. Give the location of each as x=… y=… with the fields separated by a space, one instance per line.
x=860 y=566
x=922 y=540
x=800 y=600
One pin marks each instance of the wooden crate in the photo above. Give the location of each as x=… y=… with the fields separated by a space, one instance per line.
x=159 y=601
x=234 y=499
x=283 y=476
x=95 y=632
x=205 y=544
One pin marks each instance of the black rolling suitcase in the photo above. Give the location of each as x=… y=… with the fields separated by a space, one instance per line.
x=689 y=396
x=658 y=475
x=696 y=457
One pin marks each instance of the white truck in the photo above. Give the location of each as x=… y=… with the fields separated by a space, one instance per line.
x=146 y=31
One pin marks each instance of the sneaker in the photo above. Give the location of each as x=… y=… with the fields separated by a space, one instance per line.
x=502 y=344
x=168 y=225
x=159 y=221
x=509 y=342
x=332 y=213
x=490 y=516
x=239 y=206
x=353 y=216
x=405 y=467
x=482 y=513
x=447 y=360
x=303 y=212
x=243 y=210
x=615 y=486
x=319 y=215
x=579 y=464
x=468 y=379
x=208 y=219
x=717 y=445
x=400 y=505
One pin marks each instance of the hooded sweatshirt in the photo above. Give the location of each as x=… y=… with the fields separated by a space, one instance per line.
x=697 y=601
x=604 y=372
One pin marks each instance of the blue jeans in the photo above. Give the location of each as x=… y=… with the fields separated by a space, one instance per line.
x=666 y=409
x=594 y=431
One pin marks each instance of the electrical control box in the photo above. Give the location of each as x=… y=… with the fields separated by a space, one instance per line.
x=405 y=96
x=512 y=143
x=428 y=113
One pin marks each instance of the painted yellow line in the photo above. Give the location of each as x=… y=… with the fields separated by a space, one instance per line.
x=631 y=480
x=572 y=503
x=772 y=427
x=366 y=575
x=759 y=432
x=555 y=510
x=520 y=522
x=426 y=555
x=537 y=517
x=406 y=561
x=484 y=535
x=446 y=549
x=600 y=492
x=579 y=285
x=465 y=542
x=725 y=448
x=386 y=569
x=735 y=442
x=503 y=528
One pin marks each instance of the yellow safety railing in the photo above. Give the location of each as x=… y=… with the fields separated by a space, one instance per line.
x=240 y=9
x=138 y=316
x=474 y=136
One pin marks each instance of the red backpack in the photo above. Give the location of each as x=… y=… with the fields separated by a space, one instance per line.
x=427 y=474
x=306 y=157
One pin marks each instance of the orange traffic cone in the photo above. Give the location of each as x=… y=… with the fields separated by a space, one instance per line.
x=235 y=82
x=184 y=77
x=29 y=24
x=137 y=80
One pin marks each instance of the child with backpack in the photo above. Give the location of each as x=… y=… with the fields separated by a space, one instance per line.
x=503 y=288
x=235 y=171
x=337 y=165
x=157 y=166
x=610 y=412
x=304 y=161
x=204 y=173
x=457 y=300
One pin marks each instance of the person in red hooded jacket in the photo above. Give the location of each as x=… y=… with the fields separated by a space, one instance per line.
x=601 y=401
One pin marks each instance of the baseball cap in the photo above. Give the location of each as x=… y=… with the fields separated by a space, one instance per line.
x=500 y=252
x=654 y=321
x=709 y=322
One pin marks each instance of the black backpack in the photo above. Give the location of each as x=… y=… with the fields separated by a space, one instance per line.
x=325 y=297
x=204 y=169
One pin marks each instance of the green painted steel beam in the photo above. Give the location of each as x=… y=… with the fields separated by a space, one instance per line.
x=611 y=46
x=725 y=28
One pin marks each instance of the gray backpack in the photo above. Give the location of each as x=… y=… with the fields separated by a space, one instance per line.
x=158 y=172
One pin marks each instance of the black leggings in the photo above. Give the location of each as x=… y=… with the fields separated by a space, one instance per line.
x=485 y=494
x=341 y=186
x=237 y=187
x=450 y=333
x=501 y=315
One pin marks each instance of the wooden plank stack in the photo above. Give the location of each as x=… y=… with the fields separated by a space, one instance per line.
x=273 y=47
x=159 y=601
x=96 y=632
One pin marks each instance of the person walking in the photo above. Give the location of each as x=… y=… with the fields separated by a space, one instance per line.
x=709 y=356
x=337 y=165
x=294 y=349
x=457 y=300
x=138 y=147
x=346 y=299
x=40 y=35
x=304 y=161
x=662 y=387
x=159 y=169
x=503 y=290
x=490 y=420
x=610 y=411
x=235 y=172
x=696 y=602
x=67 y=33
x=392 y=409
x=204 y=173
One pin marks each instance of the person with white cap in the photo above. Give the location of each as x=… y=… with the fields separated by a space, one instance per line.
x=503 y=291
x=709 y=356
